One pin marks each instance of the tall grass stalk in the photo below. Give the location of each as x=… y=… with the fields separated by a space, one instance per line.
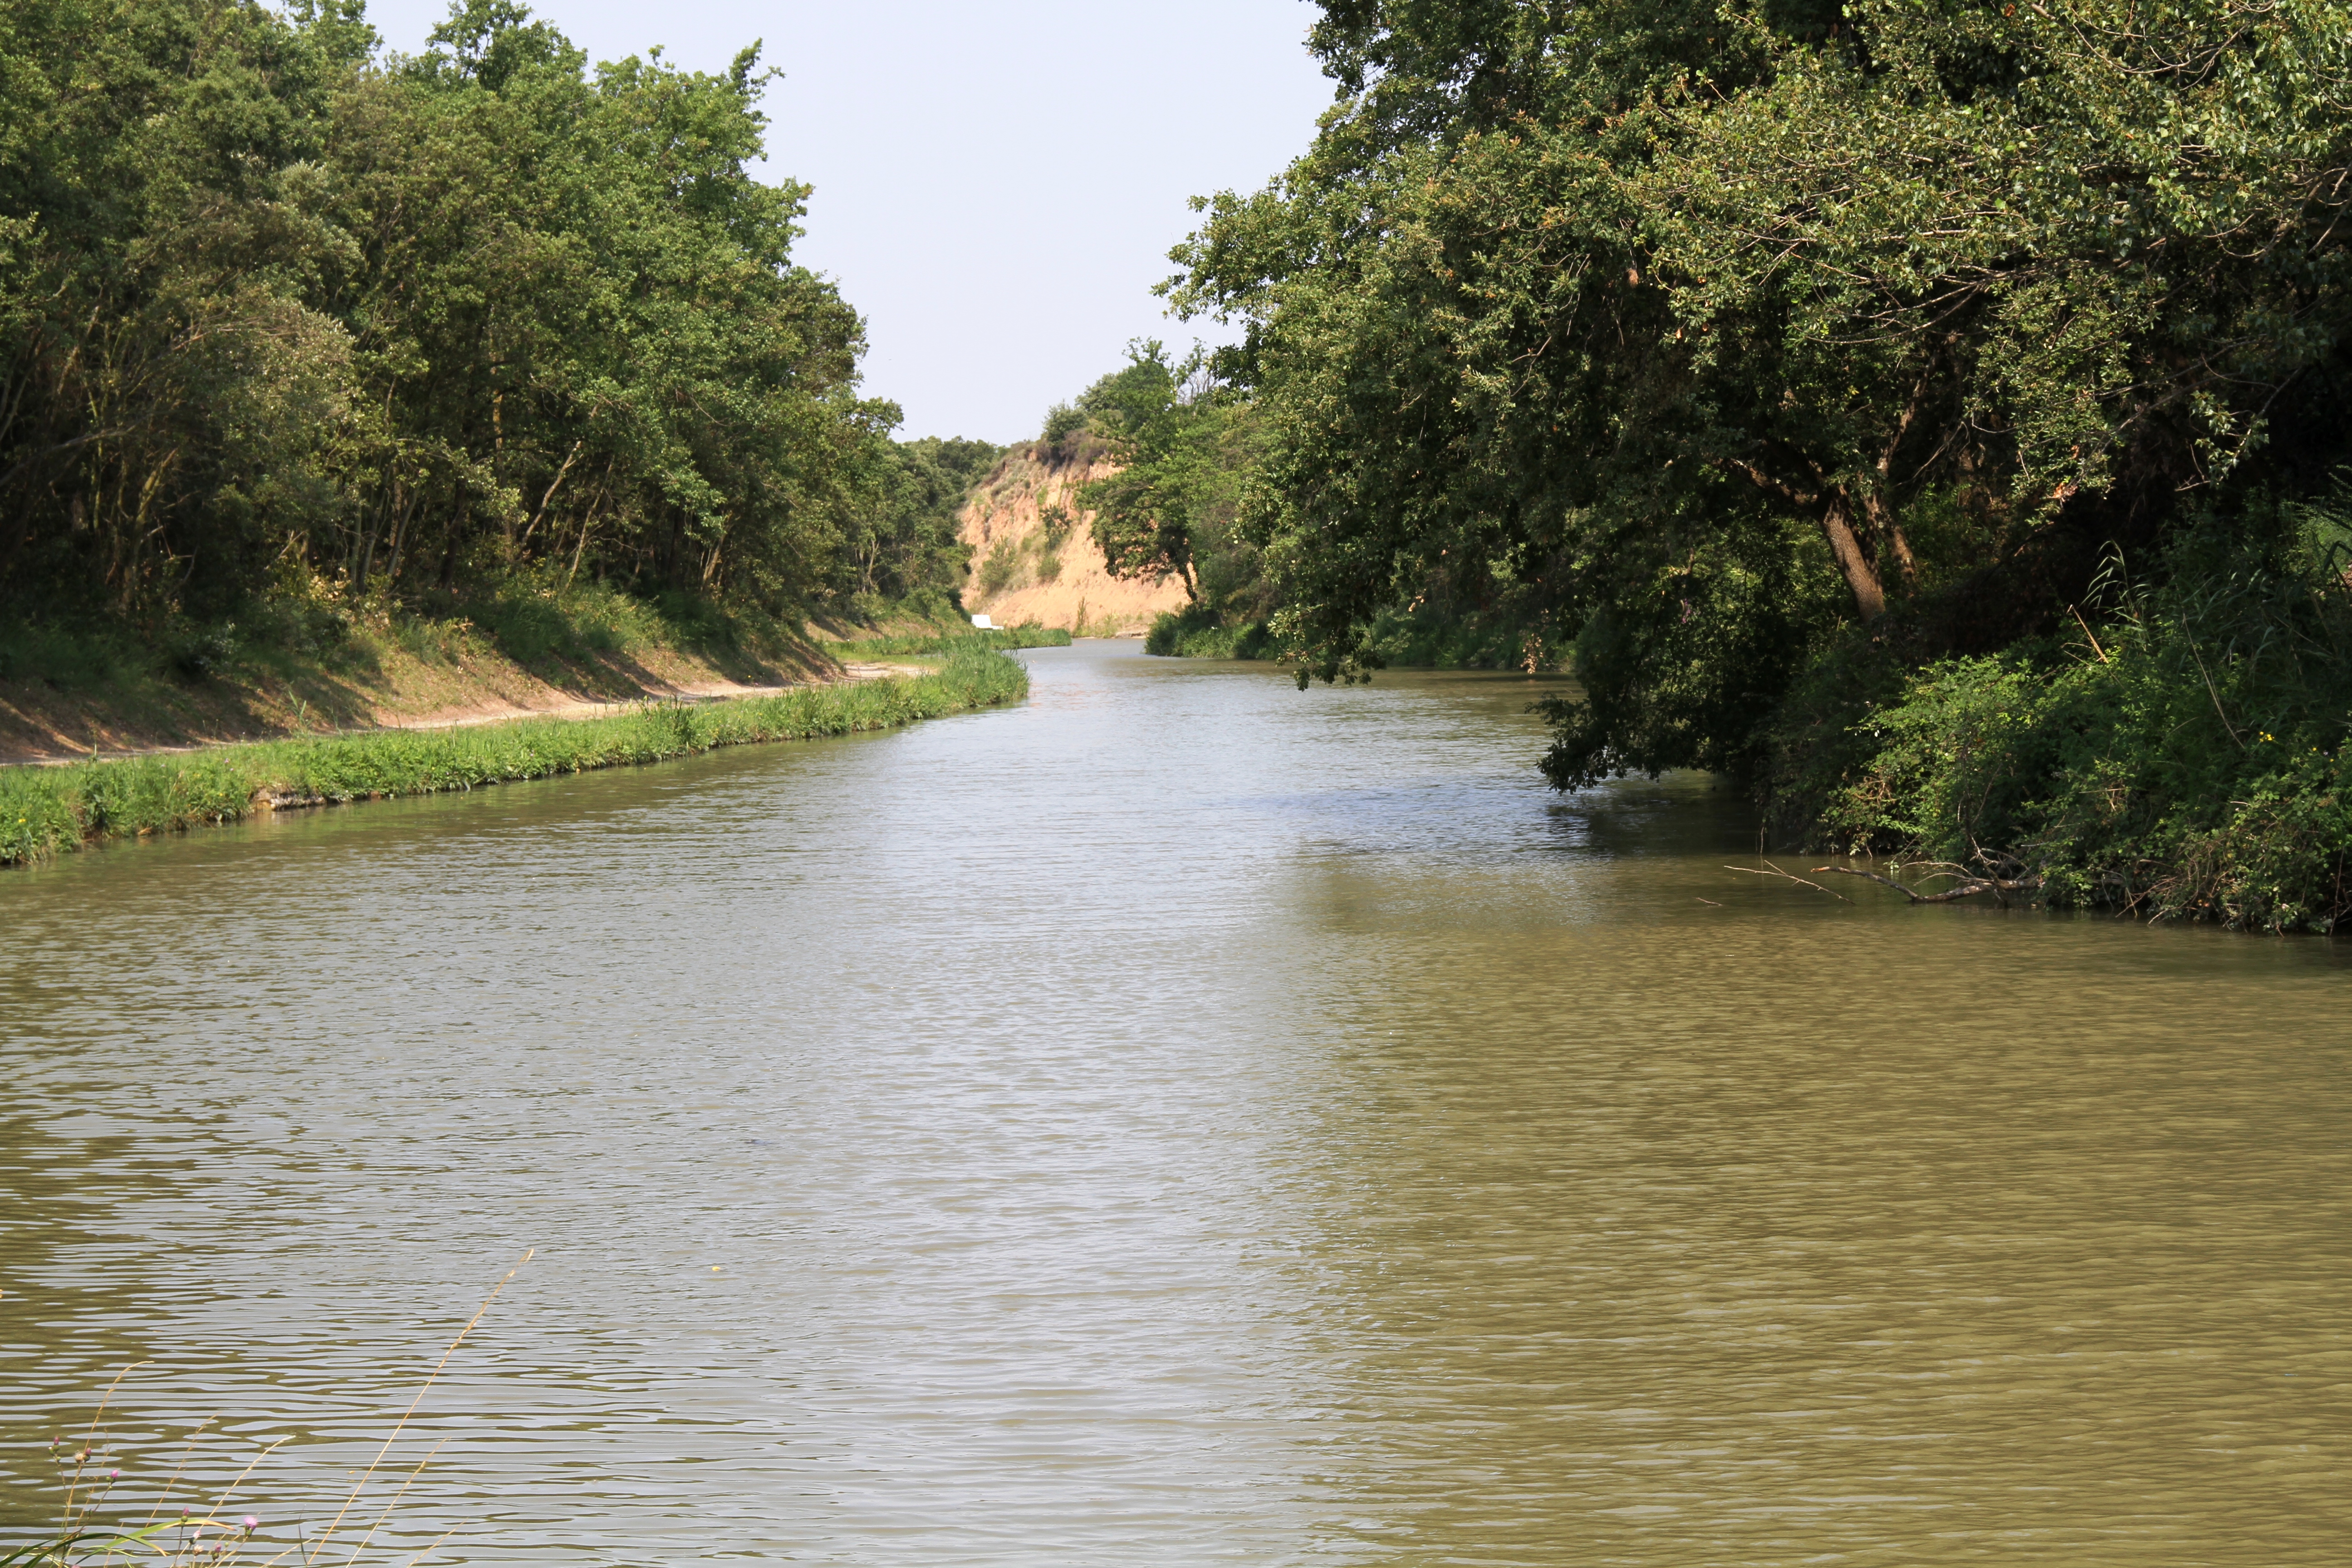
x=214 y=1536
x=47 y=810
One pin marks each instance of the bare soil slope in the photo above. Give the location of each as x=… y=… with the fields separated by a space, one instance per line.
x=1034 y=556
x=382 y=682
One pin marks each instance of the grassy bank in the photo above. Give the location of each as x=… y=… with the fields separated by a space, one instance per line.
x=310 y=657
x=950 y=642
x=1198 y=632
x=47 y=810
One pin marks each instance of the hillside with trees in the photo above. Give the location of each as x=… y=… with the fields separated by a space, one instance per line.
x=298 y=336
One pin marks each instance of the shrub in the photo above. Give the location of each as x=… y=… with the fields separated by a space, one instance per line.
x=1002 y=565
x=1196 y=632
x=70 y=654
x=2184 y=757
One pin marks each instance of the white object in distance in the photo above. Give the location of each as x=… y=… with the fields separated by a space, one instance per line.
x=984 y=623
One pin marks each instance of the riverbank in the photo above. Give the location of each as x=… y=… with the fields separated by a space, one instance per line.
x=45 y=811
x=923 y=642
x=302 y=664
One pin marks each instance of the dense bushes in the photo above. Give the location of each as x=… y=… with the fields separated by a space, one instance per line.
x=2182 y=754
x=1799 y=365
x=1200 y=631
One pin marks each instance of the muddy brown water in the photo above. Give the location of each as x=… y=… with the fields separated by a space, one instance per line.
x=1185 y=1120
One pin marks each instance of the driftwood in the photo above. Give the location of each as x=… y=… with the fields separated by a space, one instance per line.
x=1969 y=886
x=1996 y=872
x=1775 y=871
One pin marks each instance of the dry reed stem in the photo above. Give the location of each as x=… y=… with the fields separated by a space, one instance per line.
x=249 y=1464
x=413 y=1404
x=89 y=1439
x=432 y=1549
x=1775 y=871
x=165 y=1496
x=395 y=1502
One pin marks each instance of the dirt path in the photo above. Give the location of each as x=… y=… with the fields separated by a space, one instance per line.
x=702 y=690
x=497 y=710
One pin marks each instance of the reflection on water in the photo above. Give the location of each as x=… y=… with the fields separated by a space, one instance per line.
x=1185 y=1119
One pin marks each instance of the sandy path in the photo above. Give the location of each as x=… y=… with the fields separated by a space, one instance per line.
x=499 y=713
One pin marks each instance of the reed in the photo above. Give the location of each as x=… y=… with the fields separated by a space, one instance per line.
x=45 y=811
x=216 y=1535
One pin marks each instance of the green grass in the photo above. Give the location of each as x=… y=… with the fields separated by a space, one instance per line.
x=48 y=810
x=1030 y=635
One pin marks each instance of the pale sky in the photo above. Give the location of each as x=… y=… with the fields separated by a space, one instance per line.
x=997 y=184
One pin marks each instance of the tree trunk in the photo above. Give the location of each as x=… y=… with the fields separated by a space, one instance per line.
x=1869 y=597
x=1883 y=525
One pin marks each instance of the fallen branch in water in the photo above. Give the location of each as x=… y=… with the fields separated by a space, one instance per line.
x=1975 y=884
x=1775 y=871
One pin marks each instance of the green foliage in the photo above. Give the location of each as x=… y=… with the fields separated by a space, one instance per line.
x=955 y=643
x=45 y=810
x=1183 y=451
x=903 y=497
x=2185 y=757
x=1431 y=637
x=81 y=654
x=418 y=325
x=1198 y=632
x=534 y=619
x=1184 y=454
x=1696 y=335
x=1684 y=664
x=999 y=567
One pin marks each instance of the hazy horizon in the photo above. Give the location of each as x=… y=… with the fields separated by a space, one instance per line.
x=997 y=186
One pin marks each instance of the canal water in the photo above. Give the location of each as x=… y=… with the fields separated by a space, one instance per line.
x=1184 y=1120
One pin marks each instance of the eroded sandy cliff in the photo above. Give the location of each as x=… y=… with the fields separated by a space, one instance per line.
x=1032 y=550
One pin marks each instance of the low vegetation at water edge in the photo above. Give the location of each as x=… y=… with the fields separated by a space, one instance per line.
x=47 y=810
x=2182 y=755
x=952 y=643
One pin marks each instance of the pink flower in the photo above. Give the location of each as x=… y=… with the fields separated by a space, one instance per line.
x=251 y=1522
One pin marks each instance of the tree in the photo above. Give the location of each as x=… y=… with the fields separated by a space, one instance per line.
x=1717 y=331
x=903 y=498
x=1183 y=450
x=269 y=300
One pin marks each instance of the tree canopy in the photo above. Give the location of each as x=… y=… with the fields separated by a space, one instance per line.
x=1183 y=447
x=269 y=297
x=1713 y=330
